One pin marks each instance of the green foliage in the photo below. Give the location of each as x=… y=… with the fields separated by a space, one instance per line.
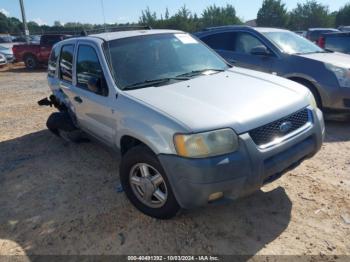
x=310 y=14
x=216 y=16
x=33 y=27
x=343 y=16
x=273 y=13
x=185 y=20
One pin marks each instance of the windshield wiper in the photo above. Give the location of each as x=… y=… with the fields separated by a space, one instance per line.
x=153 y=82
x=199 y=72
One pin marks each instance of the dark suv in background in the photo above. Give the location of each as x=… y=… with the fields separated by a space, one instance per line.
x=337 y=42
x=284 y=53
x=314 y=34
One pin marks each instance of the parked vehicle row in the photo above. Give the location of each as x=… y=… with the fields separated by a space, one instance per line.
x=336 y=42
x=191 y=128
x=34 y=54
x=286 y=54
x=314 y=34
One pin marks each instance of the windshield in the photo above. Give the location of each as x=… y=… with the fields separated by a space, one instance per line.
x=141 y=59
x=292 y=43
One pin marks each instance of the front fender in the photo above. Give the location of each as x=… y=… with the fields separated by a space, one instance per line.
x=147 y=124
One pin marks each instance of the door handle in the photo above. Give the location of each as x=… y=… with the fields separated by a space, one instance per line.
x=78 y=99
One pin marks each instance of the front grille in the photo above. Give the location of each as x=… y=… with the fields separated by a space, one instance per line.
x=268 y=133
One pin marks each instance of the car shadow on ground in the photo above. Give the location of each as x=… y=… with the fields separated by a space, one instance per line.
x=25 y=70
x=337 y=131
x=61 y=198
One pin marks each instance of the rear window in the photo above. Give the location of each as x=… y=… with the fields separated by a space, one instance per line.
x=338 y=43
x=220 y=41
x=53 y=61
x=66 y=63
x=51 y=39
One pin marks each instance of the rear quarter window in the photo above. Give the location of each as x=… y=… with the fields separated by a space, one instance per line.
x=53 y=61
x=66 y=63
x=220 y=41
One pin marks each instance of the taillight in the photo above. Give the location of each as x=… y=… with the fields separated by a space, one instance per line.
x=322 y=42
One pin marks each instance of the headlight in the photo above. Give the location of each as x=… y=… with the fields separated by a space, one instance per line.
x=312 y=100
x=206 y=144
x=342 y=74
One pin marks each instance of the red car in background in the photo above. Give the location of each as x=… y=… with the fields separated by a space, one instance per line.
x=35 y=54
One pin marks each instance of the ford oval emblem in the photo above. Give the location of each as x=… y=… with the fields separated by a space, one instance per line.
x=285 y=127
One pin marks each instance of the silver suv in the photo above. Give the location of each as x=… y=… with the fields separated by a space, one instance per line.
x=191 y=128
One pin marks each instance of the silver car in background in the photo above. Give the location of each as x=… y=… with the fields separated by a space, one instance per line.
x=3 y=60
x=191 y=129
x=8 y=53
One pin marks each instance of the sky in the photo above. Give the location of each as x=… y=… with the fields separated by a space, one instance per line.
x=90 y=11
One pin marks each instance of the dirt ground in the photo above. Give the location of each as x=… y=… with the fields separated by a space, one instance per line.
x=62 y=198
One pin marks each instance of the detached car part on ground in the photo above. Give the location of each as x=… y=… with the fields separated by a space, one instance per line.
x=190 y=128
x=289 y=55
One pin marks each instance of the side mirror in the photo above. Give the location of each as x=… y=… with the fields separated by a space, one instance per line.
x=260 y=50
x=94 y=85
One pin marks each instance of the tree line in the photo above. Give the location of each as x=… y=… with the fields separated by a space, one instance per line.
x=273 y=13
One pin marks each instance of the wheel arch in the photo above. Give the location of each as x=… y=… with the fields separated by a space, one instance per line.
x=128 y=141
x=310 y=83
x=26 y=54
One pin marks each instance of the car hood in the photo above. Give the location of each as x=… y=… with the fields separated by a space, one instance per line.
x=238 y=98
x=337 y=59
x=6 y=51
x=8 y=45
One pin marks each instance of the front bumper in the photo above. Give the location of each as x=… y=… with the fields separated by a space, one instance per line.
x=337 y=101
x=242 y=172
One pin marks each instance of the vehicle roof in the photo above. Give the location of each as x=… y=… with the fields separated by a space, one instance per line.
x=320 y=29
x=269 y=29
x=337 y=33
x=108 y=36
x=228 y=27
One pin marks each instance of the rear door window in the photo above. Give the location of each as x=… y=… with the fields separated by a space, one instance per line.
x=66 y=63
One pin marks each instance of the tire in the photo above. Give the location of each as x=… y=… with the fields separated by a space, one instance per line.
x=138 y=157
x=61 y=124
x=31 y=62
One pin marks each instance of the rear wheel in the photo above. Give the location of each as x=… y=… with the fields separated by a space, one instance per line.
x=31 y=62
x=146 y=184
x=61 y=124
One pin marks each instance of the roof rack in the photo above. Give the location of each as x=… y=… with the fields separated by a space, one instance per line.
x=113 y=29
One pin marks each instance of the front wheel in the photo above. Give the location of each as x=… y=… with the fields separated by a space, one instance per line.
x=146 y=184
